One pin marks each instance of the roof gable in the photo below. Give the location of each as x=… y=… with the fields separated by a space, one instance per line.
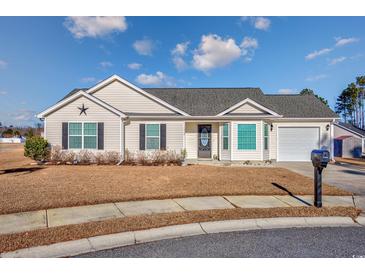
x=248 y=106
x=141 y=97
x=351 y=128
x=75 y=96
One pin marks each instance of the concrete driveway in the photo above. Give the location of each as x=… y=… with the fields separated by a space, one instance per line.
x=345 y=176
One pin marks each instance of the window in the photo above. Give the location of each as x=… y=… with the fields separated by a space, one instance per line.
x=90 y=135
x=152 y=136
x=266 y=136
x=75 y=135
x=246 y=136
x=225 y=136
x=82 y=135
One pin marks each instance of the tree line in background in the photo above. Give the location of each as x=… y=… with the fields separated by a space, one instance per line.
x=350 y=103
x=12 y=131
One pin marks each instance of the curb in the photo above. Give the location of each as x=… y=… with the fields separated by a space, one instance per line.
x=97 y=243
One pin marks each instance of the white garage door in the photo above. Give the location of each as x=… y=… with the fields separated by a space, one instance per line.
x=296 y=143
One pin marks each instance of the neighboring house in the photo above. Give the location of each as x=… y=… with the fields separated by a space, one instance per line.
x=209 y=123
x=349 y=141
x=11 y=140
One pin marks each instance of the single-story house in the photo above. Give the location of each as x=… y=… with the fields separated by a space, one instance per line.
x=231 y=124
x=349 y=140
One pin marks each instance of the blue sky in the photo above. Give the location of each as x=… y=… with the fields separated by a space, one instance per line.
x=43 y=58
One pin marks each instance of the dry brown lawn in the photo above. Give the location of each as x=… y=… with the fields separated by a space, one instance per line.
x=32 y=187
x=73 y=232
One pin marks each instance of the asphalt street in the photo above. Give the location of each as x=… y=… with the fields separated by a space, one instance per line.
x=294 y=242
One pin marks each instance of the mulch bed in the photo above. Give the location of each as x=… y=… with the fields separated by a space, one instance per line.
x=73 y=232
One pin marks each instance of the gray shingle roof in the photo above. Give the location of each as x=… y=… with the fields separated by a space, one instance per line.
x=211 y=101
x=353 y=128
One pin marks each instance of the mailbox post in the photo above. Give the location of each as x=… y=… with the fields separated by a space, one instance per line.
x=320 y=159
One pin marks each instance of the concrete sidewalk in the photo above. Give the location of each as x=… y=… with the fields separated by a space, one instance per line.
x=27 y=221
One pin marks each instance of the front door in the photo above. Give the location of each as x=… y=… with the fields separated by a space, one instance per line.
x=204 y=141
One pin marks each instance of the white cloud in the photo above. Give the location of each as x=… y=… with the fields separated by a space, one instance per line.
x=3 y=64
x=134 y=66
x=215 y=52
x=159 y=78
x=144 y=46
x=287 y=91
x=95 y=26
x=335 y=61
x=317 y=53
x=316 y=77
x=248 y=47
x=261 y=23
x=177 y=55
x=24 y=115
x=88 y=79
x=345 y=41
x=105 y=64
x=3 y=92
x=180 y=49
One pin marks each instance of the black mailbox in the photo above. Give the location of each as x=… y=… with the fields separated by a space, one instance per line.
x=320 y=158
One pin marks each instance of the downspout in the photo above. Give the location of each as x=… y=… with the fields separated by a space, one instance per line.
x=122 y=140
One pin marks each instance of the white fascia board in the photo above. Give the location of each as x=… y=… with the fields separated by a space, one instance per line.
x=125 y=82
x=200 y=118
x=75 y=96
x=250 y=101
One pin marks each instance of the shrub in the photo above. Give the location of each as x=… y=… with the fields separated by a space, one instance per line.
x=36 y=148
x=111 y=157
x=183 y=154
x=85 y=157
x=128 y=158
x=142 y=158
x=56 y=154
x=68 y=157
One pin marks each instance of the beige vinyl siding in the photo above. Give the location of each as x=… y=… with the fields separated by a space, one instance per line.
x=323 y=133
x=95 y=113
x=254 y=154
x=126 y=99
x=225 y=154
x=174 y=135
x=191 y=139
x=247 y=108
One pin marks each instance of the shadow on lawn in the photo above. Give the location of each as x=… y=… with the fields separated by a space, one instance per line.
x=19 y=170
x=291 y=194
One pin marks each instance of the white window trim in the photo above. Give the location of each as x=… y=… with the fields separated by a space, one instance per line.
x=238 y=149
x=82 y=135
x=159 y=136
x=223 y=136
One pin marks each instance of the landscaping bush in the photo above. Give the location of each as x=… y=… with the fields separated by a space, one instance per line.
x=155 y=158
x=56 y=154
x=85 y=157
x=36 y=148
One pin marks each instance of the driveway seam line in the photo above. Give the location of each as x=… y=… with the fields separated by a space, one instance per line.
x=235 y=206
x=121 y=212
